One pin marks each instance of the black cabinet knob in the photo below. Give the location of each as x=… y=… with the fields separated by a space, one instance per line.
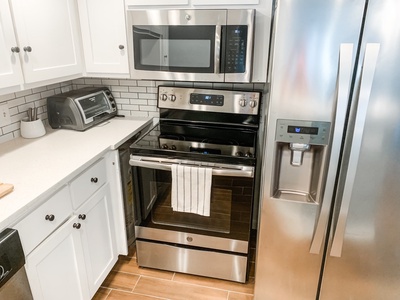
x=77 y=225
x=94 y=179
x=82 y=216
x=49 y=217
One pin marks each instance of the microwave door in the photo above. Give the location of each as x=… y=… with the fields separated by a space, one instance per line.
x=176 y=45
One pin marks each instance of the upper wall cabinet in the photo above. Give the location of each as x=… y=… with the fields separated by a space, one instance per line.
x=156 y=2
x=48 y=38
x=10 y=67
x=104 y=36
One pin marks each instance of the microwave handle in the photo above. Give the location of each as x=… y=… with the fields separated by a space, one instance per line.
x=217 y=50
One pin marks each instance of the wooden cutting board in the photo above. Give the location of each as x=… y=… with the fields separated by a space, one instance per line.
x=5 y=188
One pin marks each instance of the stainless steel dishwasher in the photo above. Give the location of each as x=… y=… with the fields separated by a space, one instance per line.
x=13 y=281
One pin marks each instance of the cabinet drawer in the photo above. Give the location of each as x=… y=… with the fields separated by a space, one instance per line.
x=34 y=228
x=88 y=182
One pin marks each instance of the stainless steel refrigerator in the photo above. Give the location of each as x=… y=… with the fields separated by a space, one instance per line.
x=330 y=190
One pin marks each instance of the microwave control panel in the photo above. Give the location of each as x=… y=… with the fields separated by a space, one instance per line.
x=235 y=48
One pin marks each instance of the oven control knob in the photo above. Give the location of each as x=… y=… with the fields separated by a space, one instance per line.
x=164 y=146
x=173 y=147
x=252 y=103
x=249 y=154
x=164 y=97
x=239 y=153
x=242 y=102
x=172 y=97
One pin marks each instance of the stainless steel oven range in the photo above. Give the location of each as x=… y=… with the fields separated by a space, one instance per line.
x=194 y=182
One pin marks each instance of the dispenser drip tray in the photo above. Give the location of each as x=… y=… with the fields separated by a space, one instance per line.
x=295 y=196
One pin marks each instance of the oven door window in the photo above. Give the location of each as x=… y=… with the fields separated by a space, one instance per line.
x=174 y=48
x=230 y=207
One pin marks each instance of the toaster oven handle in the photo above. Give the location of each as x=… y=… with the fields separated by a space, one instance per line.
x=217 y=50
x=217 y=170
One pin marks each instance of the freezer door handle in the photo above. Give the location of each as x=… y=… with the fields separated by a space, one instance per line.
x=342 y=94
x=367 y=76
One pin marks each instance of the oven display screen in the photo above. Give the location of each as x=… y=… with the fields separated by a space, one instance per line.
x=205 y=150
x=303 y=130
x=206 y=99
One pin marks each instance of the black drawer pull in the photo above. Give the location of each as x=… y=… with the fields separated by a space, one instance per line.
x=49 y=217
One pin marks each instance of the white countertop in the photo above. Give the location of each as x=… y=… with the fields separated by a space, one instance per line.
x=38 y=167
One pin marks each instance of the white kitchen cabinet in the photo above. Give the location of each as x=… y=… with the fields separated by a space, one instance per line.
x=104 y=36
x=48 y=38
x=40 y=223
x=225 y=2
x=10 y=67
x=97 y=235
x=155 y=2
x=56 y=269
x=69 y=256
x=89 y=181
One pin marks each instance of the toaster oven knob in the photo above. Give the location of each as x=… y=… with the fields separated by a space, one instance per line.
x=172 y=97
x=173 y=147
x=239 y=153
x=164 y=146
x=242 y=102
x=164 y=97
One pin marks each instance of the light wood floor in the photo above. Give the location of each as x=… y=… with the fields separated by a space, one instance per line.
x=127 y=281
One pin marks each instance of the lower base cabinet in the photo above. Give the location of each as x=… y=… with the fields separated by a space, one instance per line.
x=56 y=269
x=73 y=262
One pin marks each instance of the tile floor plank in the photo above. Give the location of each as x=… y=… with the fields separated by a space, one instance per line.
x=247 y=287
x=120 y=295
x=121 y=281
x=129 y=265
x=177 y=291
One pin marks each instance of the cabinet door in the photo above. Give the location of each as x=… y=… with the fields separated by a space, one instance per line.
x=48 y=35
x=104 y=36
x=98 y=237
x=10 y=68
x=56 y=269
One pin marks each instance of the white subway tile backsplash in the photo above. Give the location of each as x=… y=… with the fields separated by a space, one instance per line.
x=136 y=98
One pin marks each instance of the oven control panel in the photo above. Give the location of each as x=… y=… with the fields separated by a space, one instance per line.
x=225 y=101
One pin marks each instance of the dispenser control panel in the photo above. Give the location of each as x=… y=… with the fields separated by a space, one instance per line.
x=304 y=132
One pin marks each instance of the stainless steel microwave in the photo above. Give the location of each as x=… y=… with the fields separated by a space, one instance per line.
x=191 y=45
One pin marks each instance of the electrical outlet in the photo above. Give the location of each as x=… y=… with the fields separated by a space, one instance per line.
x=4 y=115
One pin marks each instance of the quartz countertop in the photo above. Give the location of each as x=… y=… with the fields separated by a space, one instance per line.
x=39 y=167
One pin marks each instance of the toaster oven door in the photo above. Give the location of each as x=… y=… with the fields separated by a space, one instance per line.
x=93 y=105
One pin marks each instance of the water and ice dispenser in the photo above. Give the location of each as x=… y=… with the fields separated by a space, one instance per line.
x=300 y=159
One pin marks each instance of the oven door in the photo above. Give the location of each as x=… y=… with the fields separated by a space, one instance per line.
x=176 y=44
x=228 y=226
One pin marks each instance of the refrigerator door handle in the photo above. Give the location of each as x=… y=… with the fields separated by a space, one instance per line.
x=367 y=76
x=342 y=92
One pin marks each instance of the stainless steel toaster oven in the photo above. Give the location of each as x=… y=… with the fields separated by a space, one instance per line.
x=81 y=109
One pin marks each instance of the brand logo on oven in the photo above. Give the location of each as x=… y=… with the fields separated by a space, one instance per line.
x=3 y=273
x=92 y=99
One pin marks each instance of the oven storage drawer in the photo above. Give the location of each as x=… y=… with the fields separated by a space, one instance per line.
x=193 y=261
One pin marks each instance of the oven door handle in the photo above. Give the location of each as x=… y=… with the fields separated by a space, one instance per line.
x=217 y=170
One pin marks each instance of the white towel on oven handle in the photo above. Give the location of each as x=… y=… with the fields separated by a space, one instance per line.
x=191 y=189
